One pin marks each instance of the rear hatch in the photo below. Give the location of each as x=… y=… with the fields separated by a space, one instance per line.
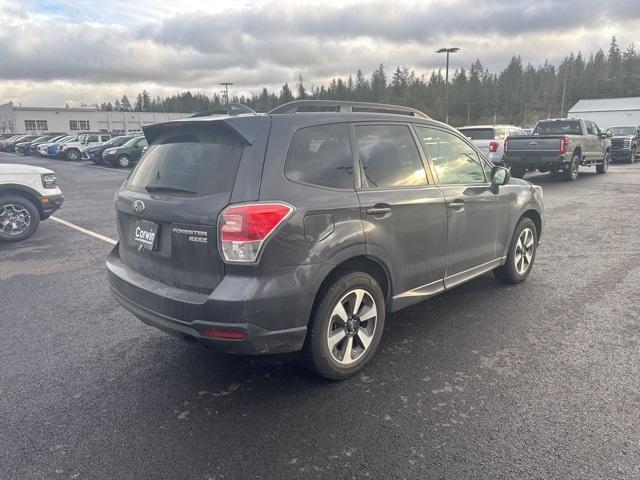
x=534 y=145
x=168 y=208
x=481 y=137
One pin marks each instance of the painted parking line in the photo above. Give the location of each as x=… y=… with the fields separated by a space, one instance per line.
x=110 y=241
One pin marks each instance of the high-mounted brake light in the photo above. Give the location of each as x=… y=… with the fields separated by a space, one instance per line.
x=245 y=228
x=493 y=146
x=564 y=145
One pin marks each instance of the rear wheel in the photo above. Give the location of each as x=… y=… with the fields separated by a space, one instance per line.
x=571 y=172
x=604 y=166
x=634 y=154
x=124 y=161
x=522 y=253
x=346 y=325
x=19 y=218
x=517 y=172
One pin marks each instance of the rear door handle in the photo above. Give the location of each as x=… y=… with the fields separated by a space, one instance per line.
x=456 y=205
x=378 y=210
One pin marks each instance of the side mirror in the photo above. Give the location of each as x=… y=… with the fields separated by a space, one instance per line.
x=605 y=135
x=499 y=176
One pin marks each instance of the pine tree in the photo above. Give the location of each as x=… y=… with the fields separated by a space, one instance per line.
x=125 y=105
x=302 y=92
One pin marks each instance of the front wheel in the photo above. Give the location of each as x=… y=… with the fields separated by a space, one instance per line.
x=634 y=154
x=72 y=155
x=346 y=325
x=604 y=166
x=522 y=253
x=19 y=218
x=124 y=161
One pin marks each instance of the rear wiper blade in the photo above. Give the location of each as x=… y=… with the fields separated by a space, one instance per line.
x=166 y=188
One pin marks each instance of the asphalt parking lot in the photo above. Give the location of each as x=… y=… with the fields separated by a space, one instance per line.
x=540 y=380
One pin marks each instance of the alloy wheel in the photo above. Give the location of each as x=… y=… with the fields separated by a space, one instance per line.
x=524 y=251
x=352 y=326
x=14 y=219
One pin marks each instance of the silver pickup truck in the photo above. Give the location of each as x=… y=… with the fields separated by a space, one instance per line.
x=560 y=146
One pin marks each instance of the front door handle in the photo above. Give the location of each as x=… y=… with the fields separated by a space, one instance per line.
x=378 y=210
x=456 y=205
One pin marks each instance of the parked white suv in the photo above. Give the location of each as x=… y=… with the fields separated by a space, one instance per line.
x=28 y=194
x=73 y=150
x=490 y=139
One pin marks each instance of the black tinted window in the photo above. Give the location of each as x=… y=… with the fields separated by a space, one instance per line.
x=189 y=160
x=454 y=160
x=478 y=133
x=321 y=155
x=389 y=156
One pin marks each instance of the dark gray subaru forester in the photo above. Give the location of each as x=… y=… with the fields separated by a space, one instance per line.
x=300 y=229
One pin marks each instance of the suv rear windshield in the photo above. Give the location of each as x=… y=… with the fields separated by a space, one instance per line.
x=558 y=127
x=478 y=133
x=193 y=160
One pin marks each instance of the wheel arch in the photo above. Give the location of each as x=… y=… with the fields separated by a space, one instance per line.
x=536 y=218
x=25 y=192
x=360 y=263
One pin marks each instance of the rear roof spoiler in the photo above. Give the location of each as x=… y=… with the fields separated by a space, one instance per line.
x=298 y=106
x=234 y=109
x=246 y=126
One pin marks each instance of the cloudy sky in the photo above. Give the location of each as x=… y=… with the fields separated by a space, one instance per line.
x=52 y=52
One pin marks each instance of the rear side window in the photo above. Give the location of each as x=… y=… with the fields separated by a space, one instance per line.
x=321 y=155
x=478 y=133
x=389 y=156
x=194 y=160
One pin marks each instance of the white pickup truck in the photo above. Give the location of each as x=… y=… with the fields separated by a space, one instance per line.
x=72 y=151
x=28 y=194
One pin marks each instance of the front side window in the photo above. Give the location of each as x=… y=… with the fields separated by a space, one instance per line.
x=92 y=138
x=321 y=155
x=454 y=160
x=389 y=156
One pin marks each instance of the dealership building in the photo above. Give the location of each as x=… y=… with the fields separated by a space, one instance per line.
x=608 y=112
x=44 y=119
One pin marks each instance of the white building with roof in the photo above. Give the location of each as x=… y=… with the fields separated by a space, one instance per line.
x=46 y=119
x=608 y=112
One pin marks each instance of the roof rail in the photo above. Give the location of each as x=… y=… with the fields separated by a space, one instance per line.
x=344 y=106
x=234 y=109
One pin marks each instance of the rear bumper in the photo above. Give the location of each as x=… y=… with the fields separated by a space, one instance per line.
x=542 y=161
x=272 y=310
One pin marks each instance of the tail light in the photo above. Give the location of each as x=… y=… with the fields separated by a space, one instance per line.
x=245 y=228
x=506 y=146
x=564 y=145
x=493 y=146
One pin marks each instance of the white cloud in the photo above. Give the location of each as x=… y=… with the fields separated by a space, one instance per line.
x=94 y=51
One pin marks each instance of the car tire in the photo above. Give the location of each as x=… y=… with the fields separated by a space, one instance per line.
x=517 y=172
x=353 y=334
x=634 y=154
x=522 y=253
x=571 y=173
x=124 y=161
x=604 y=166
x=72 y=155
x=11 y=208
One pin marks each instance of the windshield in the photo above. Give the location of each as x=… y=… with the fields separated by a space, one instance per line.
x=194 y=160
x=117 y=141
x=478 y=133
x=558 y=127
x=622 y=131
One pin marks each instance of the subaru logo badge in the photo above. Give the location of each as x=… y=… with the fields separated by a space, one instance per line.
x=138 y=206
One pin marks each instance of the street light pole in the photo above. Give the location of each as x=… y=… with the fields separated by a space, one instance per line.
x=226 y=93
x=448 y=51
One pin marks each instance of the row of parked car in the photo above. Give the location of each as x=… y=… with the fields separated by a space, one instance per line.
x=560 y=146
x=101 y=148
